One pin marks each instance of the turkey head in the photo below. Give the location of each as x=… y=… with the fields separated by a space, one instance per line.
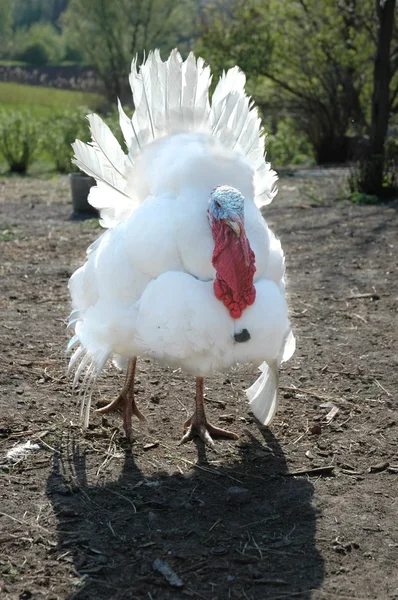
x=233 y=258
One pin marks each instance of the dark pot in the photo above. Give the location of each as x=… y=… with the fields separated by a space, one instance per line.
x=81 y=184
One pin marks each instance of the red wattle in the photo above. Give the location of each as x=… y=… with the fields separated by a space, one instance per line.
x=234 y=262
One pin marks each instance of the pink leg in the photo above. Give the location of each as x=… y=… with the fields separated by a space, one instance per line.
x=126 y=402
x=198 y=424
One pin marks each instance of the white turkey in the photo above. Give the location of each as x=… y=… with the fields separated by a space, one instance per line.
x=188 y=271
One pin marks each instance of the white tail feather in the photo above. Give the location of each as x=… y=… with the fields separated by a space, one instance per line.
x=125 y=126
x=105 y=143
x=95 y=164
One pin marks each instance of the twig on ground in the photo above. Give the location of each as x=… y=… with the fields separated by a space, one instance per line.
x=124 y=498
x=47 y=445
x=313 y=394
x=327 y=470
x=383 y=388
x=371 y=295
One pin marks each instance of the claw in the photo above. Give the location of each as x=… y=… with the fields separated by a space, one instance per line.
x=125 y=403
x=198 y=424
x=204 y=431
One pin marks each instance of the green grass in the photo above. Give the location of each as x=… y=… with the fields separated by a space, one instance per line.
x=92 y=224
x=21 y=63
x=360 y=198
x=7 y=234
x=12 y=63
x=41 y=101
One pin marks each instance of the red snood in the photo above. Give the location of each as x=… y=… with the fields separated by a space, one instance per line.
x=234 y=262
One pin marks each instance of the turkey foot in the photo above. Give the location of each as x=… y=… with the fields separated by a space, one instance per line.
x=126 y=402
x=198 y=424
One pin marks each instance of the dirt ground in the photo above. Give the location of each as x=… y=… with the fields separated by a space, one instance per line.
x=86 y=515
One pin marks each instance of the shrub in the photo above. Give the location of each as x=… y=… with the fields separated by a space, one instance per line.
x=359 y=173
x=360 y=198
x=19 y=139
x=35 y=53
x=60 y=132
x=288 y=146
x=39 y=45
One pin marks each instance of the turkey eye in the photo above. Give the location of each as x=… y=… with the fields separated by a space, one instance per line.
x=217 y=203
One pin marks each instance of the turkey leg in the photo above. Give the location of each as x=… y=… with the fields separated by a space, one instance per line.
x=198 y=424
x=126 y=402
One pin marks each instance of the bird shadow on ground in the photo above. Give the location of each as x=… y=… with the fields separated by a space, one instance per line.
x=221 y=542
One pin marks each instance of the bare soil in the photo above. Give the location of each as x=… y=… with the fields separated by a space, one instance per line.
x=86 y=515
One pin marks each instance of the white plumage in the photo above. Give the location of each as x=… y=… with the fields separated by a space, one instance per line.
x=146 y=288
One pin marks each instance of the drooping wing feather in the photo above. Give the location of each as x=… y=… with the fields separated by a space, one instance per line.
x=263 y=394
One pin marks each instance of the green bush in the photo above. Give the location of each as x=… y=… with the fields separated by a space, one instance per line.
x=288 y=146
x=60 y=132
x=39 y=45
x=19 y=139
x=360 y=198
x=73 y=55
x=36 y=54
x=359 y=172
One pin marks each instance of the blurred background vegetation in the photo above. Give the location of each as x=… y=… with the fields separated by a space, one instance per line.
x=324 y=74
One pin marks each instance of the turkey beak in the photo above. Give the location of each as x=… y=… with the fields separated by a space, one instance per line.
x=234 y=225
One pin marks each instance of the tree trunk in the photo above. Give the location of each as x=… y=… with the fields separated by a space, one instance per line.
x=372 y=169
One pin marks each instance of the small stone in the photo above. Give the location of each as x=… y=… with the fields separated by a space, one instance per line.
x=238 y=495
x=63 y=490
x=219 y=551
x=145 y=568
x=170 y=576
x=227 y=418
x=151 y=445
x=316 y=429
x=382 y=466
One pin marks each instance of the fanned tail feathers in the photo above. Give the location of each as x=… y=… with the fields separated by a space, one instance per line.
x=171 y=96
